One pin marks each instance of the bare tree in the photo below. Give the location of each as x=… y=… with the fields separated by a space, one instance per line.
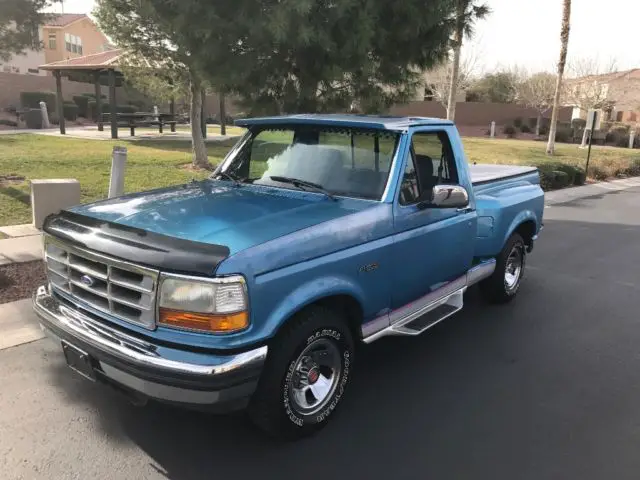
x=564 y=45
x=537 y=91
x=438 y=81
x=467 y=13
x=589 y=87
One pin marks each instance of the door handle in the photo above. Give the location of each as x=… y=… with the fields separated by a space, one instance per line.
x=464 y=210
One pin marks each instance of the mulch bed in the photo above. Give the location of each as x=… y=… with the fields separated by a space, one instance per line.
x=20 y=280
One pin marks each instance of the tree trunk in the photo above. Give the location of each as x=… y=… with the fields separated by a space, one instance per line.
x=564 y=39
x=538 y=124
x=223 y=114
x=200 y=159
x=455 y=68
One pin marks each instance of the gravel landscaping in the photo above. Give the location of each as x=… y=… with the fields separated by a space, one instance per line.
x=20 y=280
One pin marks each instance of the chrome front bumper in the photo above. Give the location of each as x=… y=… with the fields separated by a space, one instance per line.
x=151 y=370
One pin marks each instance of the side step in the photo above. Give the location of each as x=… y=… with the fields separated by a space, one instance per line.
x=443 y=309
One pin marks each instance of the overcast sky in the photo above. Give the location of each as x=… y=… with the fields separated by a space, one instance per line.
x=527 y=32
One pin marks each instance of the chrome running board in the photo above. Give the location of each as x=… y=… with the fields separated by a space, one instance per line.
x=427 y=311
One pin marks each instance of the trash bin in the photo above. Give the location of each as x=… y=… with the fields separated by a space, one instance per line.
x=33 y=118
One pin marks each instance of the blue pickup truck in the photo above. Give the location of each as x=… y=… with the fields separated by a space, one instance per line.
x=254 y=287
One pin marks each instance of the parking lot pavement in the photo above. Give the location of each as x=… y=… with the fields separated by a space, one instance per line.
x=547 y=387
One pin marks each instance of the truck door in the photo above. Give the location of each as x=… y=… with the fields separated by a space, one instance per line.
x=432 y=246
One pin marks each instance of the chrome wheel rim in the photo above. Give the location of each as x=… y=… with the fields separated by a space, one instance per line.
x=513 y=270
x=315 y=376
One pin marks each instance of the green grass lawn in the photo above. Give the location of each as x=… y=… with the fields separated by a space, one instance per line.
x=155 y=163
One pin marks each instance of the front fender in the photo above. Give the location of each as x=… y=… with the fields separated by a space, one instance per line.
x=308 y=293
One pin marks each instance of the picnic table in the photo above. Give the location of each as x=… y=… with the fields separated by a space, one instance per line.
x=142 y=119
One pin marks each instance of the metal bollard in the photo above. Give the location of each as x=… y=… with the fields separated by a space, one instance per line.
x=45 y=115
x=493 y=129
x=118 y=162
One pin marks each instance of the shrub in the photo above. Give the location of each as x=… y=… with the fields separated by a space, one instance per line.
x=53 y=119
x=82 y=101
x=524 y=128
x=8 y=123
x=33 y=118
x=578 y=123
x=126 y=109
x=561 y=179
x=532 y=121
x=33 y=99
x=576 y=174
x=510 y=131
x=544 y=130
x=564 y=134
x=70 y=111
x=618 y=136
x=517 y=122
x=579 y=177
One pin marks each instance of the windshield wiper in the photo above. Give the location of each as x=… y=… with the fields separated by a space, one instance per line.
x=302 y=184
x=228 y=176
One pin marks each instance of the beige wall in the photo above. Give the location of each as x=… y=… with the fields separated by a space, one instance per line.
x=93 y=40
x=476 y=113
x=22 y=63
x=11 y=84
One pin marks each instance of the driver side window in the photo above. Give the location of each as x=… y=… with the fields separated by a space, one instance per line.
x=430 y=163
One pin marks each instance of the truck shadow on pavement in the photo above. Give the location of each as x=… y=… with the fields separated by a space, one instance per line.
x=480 y=393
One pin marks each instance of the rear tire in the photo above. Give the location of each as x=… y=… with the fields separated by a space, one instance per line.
x=504 y=283
x=305 y=376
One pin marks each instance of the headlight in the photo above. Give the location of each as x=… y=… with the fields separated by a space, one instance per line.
x=217 y=305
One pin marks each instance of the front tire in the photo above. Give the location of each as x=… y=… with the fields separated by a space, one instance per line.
x=305 y=376
x=504 y=283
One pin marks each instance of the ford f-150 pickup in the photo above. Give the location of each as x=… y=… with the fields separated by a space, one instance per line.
x=252 y=288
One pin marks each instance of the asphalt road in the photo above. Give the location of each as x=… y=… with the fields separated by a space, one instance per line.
x=545 y=388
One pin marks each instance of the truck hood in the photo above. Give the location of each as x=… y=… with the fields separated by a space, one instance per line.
x=218 y=213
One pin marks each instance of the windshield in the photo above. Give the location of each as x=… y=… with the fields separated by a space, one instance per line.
x=344 y=162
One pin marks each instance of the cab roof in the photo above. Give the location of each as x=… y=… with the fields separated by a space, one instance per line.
x=378 y=122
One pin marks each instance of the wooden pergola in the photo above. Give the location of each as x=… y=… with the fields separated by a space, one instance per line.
x=99 y=69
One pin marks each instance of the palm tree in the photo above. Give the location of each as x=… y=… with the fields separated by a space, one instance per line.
x=564 y=39
x=467 y=13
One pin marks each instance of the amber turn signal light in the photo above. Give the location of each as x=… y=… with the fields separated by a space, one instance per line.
x=206 y=322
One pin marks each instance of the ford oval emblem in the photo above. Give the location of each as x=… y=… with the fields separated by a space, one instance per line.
x=87 y=280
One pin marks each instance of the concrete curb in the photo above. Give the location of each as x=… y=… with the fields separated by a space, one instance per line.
x=595 y=189
x=18 y=324
x=20 y=249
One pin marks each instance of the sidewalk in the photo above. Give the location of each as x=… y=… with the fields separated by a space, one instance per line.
x=570 y=194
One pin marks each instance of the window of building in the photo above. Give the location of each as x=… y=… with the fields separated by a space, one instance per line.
x=79 y=45
x=33 y=70
x=67 y=42
x=52 y=41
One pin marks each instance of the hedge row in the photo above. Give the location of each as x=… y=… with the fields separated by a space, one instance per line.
x=33 y=99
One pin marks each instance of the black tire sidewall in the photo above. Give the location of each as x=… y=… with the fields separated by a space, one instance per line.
x=345 y=346
x=514 y=240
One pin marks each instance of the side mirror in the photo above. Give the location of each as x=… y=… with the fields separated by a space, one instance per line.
x=446 y=196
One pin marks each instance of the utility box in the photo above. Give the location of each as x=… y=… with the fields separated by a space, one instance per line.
x=52 y=195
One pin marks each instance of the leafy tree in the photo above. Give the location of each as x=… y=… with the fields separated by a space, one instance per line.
x=284 y=56
x=19 y=23
x=537 y=92
x=467 y=12
x=496 y=87
x=159 y=60
x=564 y=45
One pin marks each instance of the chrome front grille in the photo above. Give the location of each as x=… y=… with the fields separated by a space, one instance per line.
x=122 y=289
